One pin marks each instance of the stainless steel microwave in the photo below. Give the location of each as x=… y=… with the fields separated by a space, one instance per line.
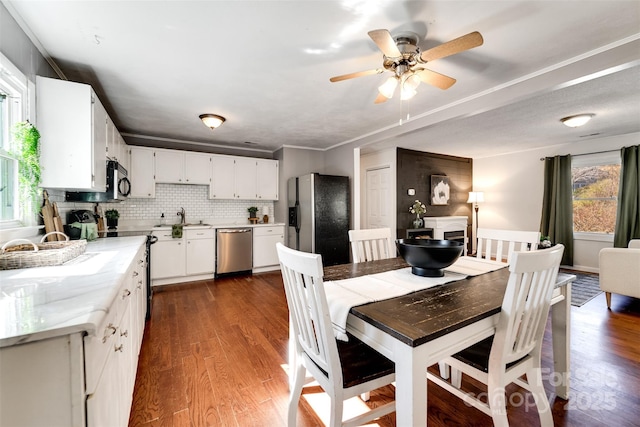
x=118 y=187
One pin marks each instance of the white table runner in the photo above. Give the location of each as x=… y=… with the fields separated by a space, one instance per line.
x=347 y=293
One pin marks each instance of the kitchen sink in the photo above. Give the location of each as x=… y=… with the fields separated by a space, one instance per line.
x=184 y=225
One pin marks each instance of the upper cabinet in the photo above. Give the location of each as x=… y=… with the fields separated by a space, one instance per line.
x=73 y=135
x=143 y=184
x=267 y=179
x=182 y=167
x=243 y=178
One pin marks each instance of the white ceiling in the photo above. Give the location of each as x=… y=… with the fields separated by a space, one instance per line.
x=265 y=66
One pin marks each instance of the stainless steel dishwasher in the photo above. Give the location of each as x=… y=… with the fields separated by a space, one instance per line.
x=234 y=250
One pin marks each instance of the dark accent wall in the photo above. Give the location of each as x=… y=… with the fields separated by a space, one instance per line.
x=414 y=171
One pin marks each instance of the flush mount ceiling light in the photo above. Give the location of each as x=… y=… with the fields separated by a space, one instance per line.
x=578 y=120
x=212 y=120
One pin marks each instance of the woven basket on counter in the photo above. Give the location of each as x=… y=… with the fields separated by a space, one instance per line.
x=28 y=254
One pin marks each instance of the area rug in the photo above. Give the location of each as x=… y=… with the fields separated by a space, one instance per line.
x=584 y=288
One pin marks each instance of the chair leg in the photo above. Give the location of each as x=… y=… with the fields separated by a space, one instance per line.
x=497 y=403
x=365 y=396
x=456 y=377
x=444 y=370
x=337 y=406
x=296 y=390
x=608 y=297
x=534 y=378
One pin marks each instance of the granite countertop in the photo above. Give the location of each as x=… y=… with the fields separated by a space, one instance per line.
x=45 y=302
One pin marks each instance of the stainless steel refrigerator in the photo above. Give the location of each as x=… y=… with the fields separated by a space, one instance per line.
x=319 y=216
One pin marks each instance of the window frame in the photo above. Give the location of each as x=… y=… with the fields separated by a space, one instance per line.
x=594 y=159
x=15 y=85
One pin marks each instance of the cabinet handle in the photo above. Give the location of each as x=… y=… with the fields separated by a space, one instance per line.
x=118 y=348
x=135 y=273
x=140 y=261
x=108 y=331
x=124 y=334
x=126 y=293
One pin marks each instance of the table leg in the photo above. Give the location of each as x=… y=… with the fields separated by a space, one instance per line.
x=411 y=386
x=560 y=335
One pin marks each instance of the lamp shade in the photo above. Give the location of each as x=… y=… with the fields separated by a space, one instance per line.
x=388 y=87
x=575 y=121
x=475 y=197
x=212 y=120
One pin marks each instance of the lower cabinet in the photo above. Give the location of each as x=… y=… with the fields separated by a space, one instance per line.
x=265 y=256
x=78 y=379
x=191 y=257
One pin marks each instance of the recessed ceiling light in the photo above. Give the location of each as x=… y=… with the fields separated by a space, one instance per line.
x=578 y=120
x=212 y=120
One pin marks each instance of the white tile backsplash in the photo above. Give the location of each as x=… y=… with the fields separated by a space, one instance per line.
x=169 y=199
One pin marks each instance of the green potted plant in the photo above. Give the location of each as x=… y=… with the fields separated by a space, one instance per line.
x=252 y=212
x=112 y=216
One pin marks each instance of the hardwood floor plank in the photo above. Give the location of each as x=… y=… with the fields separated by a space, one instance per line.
x=213 y=354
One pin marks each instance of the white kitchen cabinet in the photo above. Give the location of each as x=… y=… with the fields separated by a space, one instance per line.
x=112 y=140
x=200 y=252
x=180 y=167
x=265 y=256
x=124 y=156
x=243 y=178
x=73 y=135
x=78 y=379
x=245 y=173
x=141 y=175
x=266 y=179
x=223 y=177
x=168 y=256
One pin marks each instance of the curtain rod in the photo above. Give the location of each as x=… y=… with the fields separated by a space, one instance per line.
x=586 y=154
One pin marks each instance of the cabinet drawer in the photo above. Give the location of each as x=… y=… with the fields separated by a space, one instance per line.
x=201 y=233
x=97 y=348
x=268 y=231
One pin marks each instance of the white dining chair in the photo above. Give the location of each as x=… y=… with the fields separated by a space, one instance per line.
x=371 y=244
x=343 y=369
x=500 y=244
x=516 y=347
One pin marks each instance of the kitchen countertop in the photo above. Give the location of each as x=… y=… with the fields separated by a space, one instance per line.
x=45 y=302
x=236 y=224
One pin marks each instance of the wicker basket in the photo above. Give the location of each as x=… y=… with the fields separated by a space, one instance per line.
x=28 y=254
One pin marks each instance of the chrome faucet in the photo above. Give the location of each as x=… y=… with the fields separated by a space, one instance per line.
x=182 y=215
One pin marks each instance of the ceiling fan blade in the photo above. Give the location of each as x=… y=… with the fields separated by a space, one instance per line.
x=354 y=75
x=385 y=42
x=380 y=99
x=452 y=47
x=436 y=79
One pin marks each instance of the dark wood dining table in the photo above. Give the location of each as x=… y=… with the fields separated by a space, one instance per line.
x=419 y=329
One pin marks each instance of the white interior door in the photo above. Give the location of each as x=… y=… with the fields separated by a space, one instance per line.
x=378 y=193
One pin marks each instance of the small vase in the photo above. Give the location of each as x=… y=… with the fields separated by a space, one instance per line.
x=417 y=223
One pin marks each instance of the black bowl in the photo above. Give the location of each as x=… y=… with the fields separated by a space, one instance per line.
x=429 y=257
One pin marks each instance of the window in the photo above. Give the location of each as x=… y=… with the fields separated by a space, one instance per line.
x=595 y=179
x=13 y=90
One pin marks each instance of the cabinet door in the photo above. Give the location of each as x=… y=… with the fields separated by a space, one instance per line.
x=200 y=256
x=197 y=168
x=222 y=178
x=72 y=125
x=143 y=183
x=264 y=245
x=169 y=166
x=113 y=149
x=168 y=259
x=245 y=177
x=99 y=144
x=267 y=179
x=124 y=156
x=103 y=405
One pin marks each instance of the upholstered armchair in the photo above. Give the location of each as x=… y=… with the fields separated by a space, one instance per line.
x=620 y=271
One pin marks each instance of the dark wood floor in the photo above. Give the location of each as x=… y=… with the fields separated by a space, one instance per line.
x=215 y=353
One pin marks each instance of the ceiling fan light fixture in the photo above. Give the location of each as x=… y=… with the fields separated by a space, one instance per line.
x=212 y=120
x=388 y=88
x=577 y=120
x=411 y=82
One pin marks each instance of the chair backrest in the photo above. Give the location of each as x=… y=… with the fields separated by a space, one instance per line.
x=310 y=319
x=502 y=243
x=525 y=306
x=370 y=244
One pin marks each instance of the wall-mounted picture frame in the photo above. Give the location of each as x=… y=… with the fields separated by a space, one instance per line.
x=440 y=190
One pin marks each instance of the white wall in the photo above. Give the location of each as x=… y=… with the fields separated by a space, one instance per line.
x=513 y=190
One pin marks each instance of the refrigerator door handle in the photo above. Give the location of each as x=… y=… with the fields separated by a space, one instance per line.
x=297 y=207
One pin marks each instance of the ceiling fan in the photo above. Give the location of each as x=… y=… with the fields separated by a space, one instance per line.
x=402 y=56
